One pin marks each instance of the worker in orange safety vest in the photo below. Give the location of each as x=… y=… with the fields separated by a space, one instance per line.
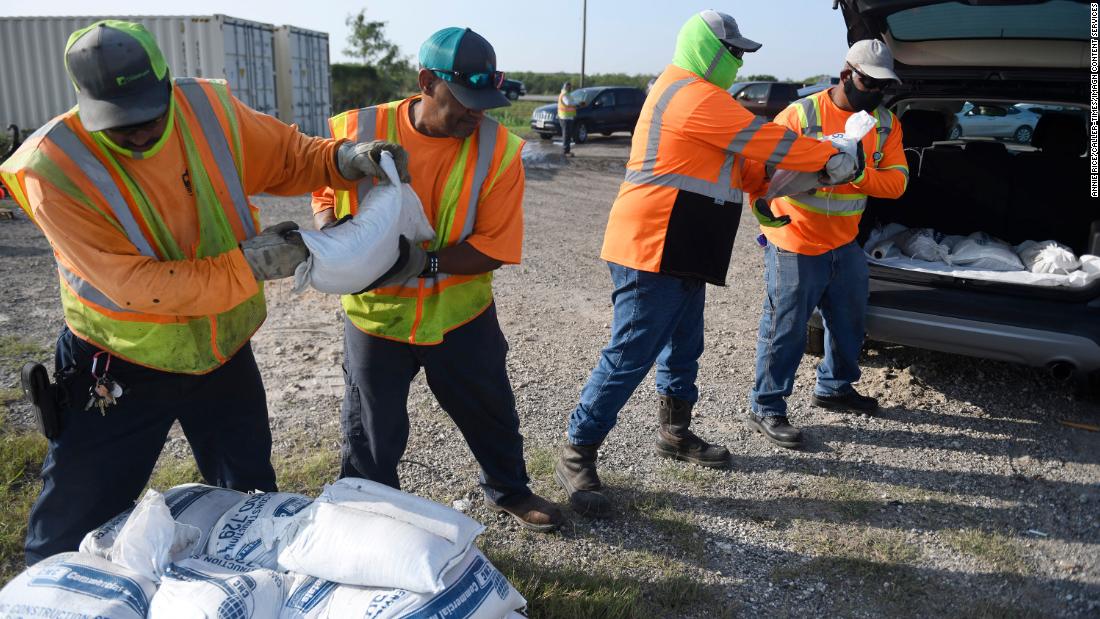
x=695 y=153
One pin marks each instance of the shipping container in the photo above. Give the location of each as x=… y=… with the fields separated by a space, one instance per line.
x=301 y=58
x=34 y=86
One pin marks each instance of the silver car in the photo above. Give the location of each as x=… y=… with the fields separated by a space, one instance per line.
x=987 y=120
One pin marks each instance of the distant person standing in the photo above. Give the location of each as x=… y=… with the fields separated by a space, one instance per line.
x=567 y=113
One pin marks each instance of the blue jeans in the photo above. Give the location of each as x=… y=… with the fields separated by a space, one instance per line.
x=836 y=283
x=657 y=318
x=566 y=133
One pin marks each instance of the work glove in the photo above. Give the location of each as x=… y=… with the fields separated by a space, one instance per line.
x=411 y=260
x=362 y=160
x=275 y=252
x=764 y=215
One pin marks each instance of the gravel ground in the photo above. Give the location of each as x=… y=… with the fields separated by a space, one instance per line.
x=965 y=496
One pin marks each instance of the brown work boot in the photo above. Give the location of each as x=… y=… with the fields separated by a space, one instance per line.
x=676 y=441
x=575 y=472
x=531 y=512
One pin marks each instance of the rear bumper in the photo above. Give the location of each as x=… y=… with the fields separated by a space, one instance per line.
x=1034 y=347
x=1032 y=331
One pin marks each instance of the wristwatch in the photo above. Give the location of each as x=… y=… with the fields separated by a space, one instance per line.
x=431 y=265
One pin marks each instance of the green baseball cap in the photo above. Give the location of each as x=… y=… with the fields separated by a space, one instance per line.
x=467 y=63
x=120 y=75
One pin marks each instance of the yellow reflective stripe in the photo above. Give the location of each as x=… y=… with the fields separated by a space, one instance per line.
x=828 y=195
x=448 y=202
x=511 y=150
x=391 y=121
x=11 y=181
x=826 y=209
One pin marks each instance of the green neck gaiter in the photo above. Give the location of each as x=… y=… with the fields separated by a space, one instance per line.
x=698 y=50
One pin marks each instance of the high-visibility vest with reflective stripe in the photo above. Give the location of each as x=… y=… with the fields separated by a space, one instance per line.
x=678 y=208
x=422 y=310
x=66 y=156
x=565 y=110
x=832 y=200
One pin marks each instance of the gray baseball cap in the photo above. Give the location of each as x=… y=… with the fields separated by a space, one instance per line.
x=725 y=28
x=120 y=75
x=872 y=58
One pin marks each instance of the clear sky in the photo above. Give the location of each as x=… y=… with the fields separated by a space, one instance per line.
x=800 y=37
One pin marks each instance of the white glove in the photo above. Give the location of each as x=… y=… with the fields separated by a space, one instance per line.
x=361 y=160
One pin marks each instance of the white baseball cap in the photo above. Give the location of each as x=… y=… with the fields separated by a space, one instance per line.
x=872 y=58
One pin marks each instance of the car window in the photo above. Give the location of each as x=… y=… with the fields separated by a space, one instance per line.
x=755 y=92
x=1058 y=19
x=607 y=99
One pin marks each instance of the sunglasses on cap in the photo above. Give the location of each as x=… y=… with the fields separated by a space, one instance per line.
x=869 y=82
x=476 y=80
x=736 y=51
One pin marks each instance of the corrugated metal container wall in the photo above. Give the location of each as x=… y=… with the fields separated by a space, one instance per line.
x=34 y=86
x=303 y=78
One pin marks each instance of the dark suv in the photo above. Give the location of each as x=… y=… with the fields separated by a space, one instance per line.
x=600 y=109
x=764 y=98
x=513 y=89
x=1016 y=192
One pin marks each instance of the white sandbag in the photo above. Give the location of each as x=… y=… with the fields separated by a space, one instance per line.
x=1047 y=257
x=207 y=587
x=349 y=257
x=73 y=585
x=922 y=244
x=838 y=169
x=151 y=539
x=249 y=531
x=1090 y=264
x=951 y=240
x=885 y=249
x=371 y=496
x=356 y=547
x=195 y=504
x=474 y=589
x=982 y=251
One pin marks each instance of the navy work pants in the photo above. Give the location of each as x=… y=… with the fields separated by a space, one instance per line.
x=99 y=464
x=467 y=374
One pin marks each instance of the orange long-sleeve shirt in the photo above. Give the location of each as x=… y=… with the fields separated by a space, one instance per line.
x=277 y=159
x=816 y=233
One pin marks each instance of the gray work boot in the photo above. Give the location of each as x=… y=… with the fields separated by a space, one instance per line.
x=676 y=441
x=575 y=472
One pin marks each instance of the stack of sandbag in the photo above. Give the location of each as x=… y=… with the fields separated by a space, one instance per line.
x=922 y=244
x=349 y=257
x=428 y=563
x=80 y=584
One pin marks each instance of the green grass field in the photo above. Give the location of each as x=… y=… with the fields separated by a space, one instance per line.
x=517 y=117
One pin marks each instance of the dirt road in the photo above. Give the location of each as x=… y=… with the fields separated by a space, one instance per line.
x=964 y=497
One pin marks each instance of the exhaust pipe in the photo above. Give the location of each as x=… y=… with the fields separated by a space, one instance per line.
x=1062 y=370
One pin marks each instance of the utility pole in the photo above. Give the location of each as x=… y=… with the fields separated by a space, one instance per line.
x=584 y=35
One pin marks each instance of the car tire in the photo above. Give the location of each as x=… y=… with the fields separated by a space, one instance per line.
x=955 y=133
x=580 y=134
x=1022 y=135
x=512 y=94
x=815 y=341
x=547 y=136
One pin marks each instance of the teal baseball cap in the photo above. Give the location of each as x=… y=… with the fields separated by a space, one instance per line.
x=467 y=64
x=120 y=75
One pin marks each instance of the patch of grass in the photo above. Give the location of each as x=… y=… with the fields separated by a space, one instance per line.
x=874 y=547
x=994 y=550
x=15 y=351
x=172 y=471
x=517 y=117
x=540 y=462
x=678 y=528
x=307 y=473
x=690 y=475
x=601 y=590
x=21 y=455
x=852 y=499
